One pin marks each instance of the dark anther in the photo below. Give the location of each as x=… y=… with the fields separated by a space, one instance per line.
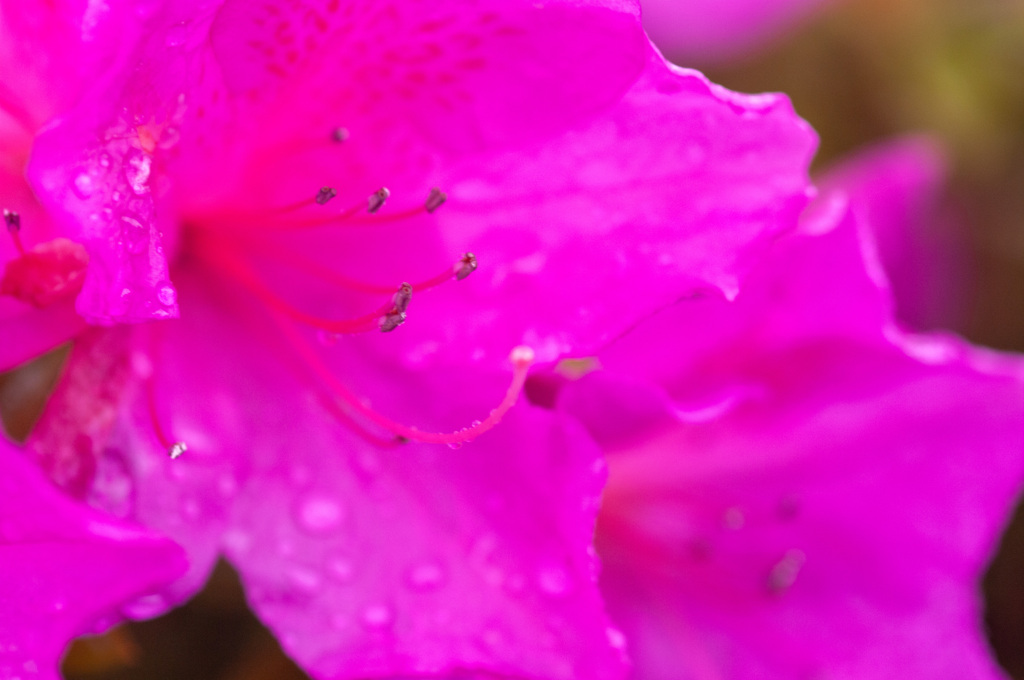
x=465 y=266
x=325 y=194
x=12 y=220
x=339 y=135
x=391 y=321
x=435 y=200
x=377 y=199
x=402 y=298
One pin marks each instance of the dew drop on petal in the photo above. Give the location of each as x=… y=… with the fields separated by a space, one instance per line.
x=167 y=296
x=553 y=581
x=304 y=579
x=145 y=607
x=455 y=445
x=733 y=519
x=83 y=185
x=341 y=569
x=378 y=616
x=426 y=576
x=616 y=638
x=783 y=574
x=318 y=514
x=136 y=170
x=134 y=234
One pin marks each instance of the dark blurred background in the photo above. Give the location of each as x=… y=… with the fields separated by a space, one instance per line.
x=859 y=71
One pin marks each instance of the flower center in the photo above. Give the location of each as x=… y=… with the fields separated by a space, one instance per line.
x=231 y=244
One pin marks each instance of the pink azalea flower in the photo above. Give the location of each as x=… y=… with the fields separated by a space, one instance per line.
x=65 y=569
x=273 y=174
x=705 y=31
x=797 y=488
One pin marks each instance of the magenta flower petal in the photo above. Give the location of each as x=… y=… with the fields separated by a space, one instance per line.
x=704 y=31
x=678 y=189
x=417 y=559
x=797 y=488
x=65 y=569
x=894 y=186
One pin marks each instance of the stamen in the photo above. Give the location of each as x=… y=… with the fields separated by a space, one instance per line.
x=435 y=199
x=391 y=321
x=13 y=222
x=174 y=449
x=466 y=266
x=377 y=199
x=341 y=414
x=522 y=358
x=402 y=298
x=339 y=135
x=325 y=194
x=245 y=275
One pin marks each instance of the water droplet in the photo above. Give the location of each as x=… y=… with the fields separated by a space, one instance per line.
x=304 y=579
x=733 y=519
x=136 y=170
x=83 y=185
x=616 y=638
x=341 y=569
x=455 y=445
x=237 y=542
x=318 y=514
x=554 y=581
x=145 y=607
x=783 y=574
x=104 y=160
x=426 y=576
x=378 y=616
x=170 y=137
x=167 y=296
x=135 y=235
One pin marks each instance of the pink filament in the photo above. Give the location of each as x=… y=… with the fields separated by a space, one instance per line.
x=328 y=275
x=522 y=358
x=242 y=272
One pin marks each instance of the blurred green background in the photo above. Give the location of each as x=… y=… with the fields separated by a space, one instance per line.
x=858 y=71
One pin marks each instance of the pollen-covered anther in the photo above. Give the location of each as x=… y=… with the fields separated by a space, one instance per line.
x=325 y=194
x=466 y=265
x=391 y=321
x=339 y=135
x=402 y=298
x=377 y=199
x=435 y=199
x=176 y=449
